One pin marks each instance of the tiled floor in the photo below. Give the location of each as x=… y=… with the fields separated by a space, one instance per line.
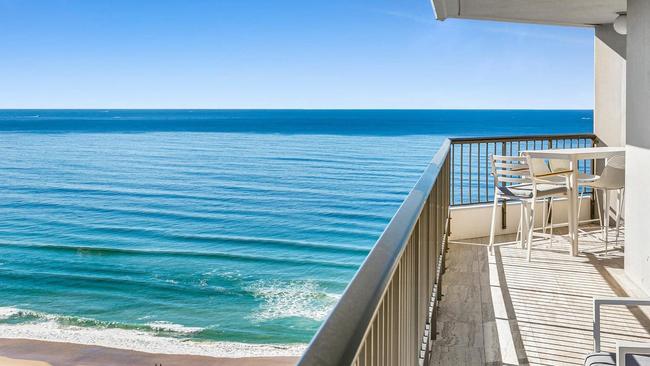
x=502 y=309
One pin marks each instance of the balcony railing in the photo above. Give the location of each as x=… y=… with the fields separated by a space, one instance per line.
x=471 y=182
x=387 y=314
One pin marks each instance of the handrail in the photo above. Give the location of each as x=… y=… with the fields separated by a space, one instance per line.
x=561 y=136
x=385 y=314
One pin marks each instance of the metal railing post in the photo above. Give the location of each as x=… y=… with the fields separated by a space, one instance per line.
x=504 y=214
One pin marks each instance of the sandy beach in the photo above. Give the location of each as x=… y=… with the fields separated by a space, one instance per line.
x=24 y=352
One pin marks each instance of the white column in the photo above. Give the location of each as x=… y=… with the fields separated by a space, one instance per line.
x=609 y=85
x=637 y=176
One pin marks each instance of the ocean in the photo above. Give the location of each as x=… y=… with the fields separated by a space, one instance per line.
x=216 y=232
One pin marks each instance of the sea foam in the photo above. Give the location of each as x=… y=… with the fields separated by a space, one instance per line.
x=302 y=299
x=48 y=328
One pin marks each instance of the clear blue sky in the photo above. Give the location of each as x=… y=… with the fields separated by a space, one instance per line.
x=282 y=54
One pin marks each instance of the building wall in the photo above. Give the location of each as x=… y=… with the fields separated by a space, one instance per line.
x=474 y=221
x=610 y=84
x=637 y=175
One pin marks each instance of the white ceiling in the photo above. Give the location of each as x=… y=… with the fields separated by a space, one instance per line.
x=568 y=12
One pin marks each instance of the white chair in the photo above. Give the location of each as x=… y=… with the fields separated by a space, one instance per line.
x=555 y=166
x=540 y=166
x=516 y=179
x=508 y=170
x=627 y=353
x=583 y=180
x=612 y=178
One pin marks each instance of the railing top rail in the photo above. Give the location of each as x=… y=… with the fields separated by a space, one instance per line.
x=456 y=140
x=339 y=337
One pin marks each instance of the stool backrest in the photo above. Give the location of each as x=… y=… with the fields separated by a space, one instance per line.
x=616 y=162
x=539 y=166
x=613 y=174
x=559 y=164
x=510 y=170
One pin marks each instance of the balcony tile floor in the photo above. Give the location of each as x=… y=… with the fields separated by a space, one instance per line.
x=503 y=310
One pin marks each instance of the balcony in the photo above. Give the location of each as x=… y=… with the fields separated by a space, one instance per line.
x=503 y=308
x=430 y=292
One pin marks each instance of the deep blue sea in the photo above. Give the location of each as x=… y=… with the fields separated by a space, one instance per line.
x=173 y=229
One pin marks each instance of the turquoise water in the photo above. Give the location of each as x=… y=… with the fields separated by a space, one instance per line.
x=231 y=226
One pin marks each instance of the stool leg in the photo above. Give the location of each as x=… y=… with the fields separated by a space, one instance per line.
x=494 y=219
x=521 y=230
x=606 y=217
x=531 y=227
x=522 y=225
x=550 y=212
x=621 y=197
x=544 y=217
x=600 y=216
x=582 y=194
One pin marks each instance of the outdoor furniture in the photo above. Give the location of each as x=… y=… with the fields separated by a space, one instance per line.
x=561 y=164
x=572 y=156
x=555 y=165
x=540 y=166
x=507 y=170
x=515 y=178
x=612 y=178
x=627 y=353
x=583 y=180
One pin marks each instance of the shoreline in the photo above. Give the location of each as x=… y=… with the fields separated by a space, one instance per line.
x=27 y=352
x=139 y=341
